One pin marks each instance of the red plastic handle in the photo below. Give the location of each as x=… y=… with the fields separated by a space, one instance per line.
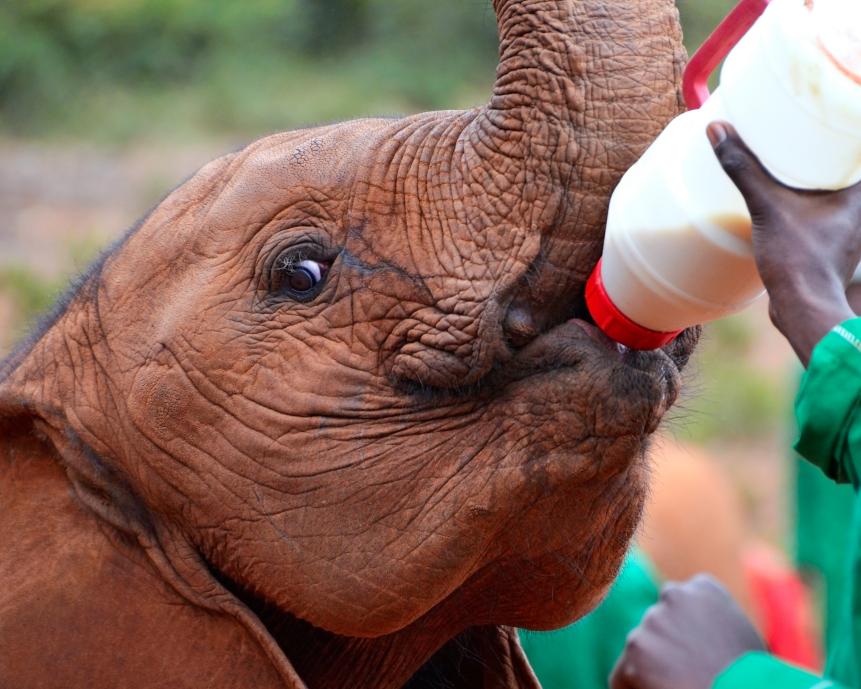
x=717 y=46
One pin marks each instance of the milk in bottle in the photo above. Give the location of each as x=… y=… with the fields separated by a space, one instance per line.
x=678 y=242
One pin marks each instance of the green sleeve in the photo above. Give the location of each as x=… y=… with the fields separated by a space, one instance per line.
x=829 y=405
x=763 y=671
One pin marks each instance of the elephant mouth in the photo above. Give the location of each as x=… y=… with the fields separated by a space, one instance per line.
x=577 y=349
x=572 y=364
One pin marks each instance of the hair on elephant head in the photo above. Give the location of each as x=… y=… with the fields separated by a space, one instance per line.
x=335 y=400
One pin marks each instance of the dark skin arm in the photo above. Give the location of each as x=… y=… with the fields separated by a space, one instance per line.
x=807 y=245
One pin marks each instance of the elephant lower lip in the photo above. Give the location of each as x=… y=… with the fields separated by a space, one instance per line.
x=596 y=334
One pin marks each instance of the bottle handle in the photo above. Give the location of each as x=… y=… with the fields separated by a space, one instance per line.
x=706 y=60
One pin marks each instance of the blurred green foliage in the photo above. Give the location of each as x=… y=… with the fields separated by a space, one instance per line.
x=700 y=17
x=115 y=69
x=29 y=294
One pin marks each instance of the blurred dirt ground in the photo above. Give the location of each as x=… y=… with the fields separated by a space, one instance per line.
x=53 y=196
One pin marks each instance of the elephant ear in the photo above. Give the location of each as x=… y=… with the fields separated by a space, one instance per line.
x=506 y=663
x=480 y=658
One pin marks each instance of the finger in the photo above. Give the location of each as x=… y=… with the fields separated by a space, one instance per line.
x=622 y=677
x=625 y=674
x=743 y=167
x=707 y=582
x=671 y=591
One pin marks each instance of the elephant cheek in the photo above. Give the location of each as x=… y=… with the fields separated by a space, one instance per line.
x=158 y=404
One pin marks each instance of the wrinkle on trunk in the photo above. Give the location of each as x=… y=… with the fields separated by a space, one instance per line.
x=607 y=70
x=540 y=62
x=583 y=88
x=579 y=54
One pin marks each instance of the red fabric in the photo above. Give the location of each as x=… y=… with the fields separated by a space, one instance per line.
x=785 y=609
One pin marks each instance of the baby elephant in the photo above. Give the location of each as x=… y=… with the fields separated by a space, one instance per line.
x=327 y=417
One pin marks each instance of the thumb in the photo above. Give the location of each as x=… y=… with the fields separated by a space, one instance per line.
x=743 y=167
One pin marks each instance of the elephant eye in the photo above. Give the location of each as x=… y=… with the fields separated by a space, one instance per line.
x=298 y=277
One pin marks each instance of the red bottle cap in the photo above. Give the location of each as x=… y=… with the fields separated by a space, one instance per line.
x=615 y=324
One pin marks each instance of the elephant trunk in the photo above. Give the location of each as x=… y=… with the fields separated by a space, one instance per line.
x=541 y=66
x=583 y=86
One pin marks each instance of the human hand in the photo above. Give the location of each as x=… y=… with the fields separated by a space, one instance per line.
x=807 y=244
x=685 y=641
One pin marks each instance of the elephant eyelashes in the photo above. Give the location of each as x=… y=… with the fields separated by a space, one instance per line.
x=298 y=277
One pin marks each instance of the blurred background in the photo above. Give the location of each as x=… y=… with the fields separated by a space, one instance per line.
x=105 y=105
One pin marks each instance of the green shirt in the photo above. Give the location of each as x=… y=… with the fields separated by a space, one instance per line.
x=828 y=409
x=821 y=551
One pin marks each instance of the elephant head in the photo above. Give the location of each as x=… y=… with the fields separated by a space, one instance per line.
x=340 y=385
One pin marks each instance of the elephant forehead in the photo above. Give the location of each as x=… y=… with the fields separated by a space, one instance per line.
x=317 y=165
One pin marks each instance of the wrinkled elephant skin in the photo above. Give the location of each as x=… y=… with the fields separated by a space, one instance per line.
x=327 y=417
